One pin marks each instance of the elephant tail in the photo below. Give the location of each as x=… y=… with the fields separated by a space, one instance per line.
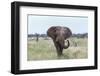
x=68 y=44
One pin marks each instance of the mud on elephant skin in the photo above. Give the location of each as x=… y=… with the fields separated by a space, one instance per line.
x=59 y=34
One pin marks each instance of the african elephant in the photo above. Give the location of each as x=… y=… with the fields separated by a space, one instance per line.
x=59 y=34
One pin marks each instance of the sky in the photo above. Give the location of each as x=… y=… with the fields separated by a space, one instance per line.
x=41 y=23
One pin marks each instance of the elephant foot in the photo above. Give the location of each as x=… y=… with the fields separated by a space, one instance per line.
x=60 y=56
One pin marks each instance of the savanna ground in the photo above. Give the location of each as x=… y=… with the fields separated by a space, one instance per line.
x=45 y=49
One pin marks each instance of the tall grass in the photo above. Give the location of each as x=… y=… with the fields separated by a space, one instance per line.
x=45 y=49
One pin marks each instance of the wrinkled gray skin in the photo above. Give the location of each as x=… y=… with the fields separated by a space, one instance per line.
x=59 y=35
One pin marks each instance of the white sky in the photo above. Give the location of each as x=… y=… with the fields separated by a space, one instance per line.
x=40 y=24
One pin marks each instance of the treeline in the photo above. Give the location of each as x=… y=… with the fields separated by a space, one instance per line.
x=84 y=35
x=35 y=35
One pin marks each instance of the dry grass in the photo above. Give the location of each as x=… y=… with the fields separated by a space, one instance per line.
x=45 y=49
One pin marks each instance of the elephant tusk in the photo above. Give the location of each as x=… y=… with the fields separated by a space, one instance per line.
x=65 y=47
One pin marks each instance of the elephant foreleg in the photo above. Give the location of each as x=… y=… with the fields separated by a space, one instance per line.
x=58 y=48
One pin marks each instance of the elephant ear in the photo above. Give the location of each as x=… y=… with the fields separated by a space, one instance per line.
x=68 y=32
x=51 y=32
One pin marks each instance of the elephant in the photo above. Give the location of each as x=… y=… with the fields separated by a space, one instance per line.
x=59 y=34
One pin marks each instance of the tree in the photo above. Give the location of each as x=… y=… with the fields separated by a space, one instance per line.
x=37 y=36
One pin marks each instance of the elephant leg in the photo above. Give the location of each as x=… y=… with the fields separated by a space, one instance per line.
x=58 y=48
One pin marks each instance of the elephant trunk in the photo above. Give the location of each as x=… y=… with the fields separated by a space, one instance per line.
x=66 y=46
x=61 y=42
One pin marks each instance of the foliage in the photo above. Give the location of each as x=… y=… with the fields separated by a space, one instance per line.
x=84 y=35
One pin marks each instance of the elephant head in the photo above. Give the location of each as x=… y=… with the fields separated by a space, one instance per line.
x=59 y=35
